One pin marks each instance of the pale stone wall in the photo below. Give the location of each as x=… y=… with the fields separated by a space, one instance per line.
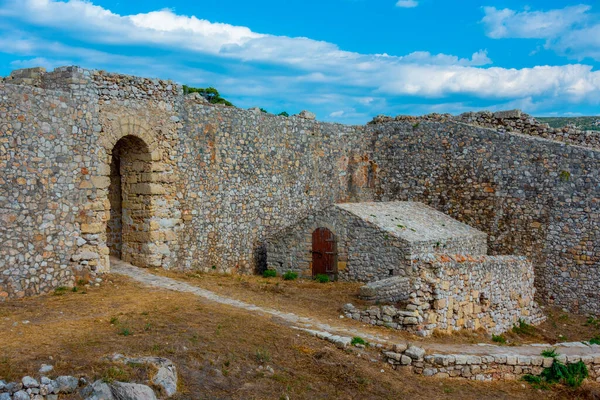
x=220 y=180
x=532 y=196
x=451 y=293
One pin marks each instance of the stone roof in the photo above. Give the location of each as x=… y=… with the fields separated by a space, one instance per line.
x=411 y=221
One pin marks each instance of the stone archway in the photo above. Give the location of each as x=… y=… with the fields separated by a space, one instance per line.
x=141 y=214
x=130 y=233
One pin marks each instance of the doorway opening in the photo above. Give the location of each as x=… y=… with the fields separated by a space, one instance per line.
x=128 y=229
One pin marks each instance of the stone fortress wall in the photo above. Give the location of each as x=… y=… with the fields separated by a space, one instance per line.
x=208 y=183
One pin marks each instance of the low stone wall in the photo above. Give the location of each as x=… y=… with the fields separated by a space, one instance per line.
x=452 y=293
x=491 y=367
x=390 y=290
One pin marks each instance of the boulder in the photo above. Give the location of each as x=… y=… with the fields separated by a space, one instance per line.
x=66 y=384
x=132 y=391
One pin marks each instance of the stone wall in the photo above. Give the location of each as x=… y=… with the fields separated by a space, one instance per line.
x=204 y=187
x=533 y=196
x=497 y=364
x=389 y=290
x=219 y=180
x=451 y=293
x=45 y=137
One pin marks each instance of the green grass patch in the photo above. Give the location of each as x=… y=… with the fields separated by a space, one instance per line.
x=59 y=291
x=595 y=340
x=499 y=339
x=269 y=273
x=571 y=375
x=550 y=353
x=290 y=276
x=523 y=328
x=322 y=278
x=358 y=340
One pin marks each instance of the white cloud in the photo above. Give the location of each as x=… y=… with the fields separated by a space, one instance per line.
x=314 y=72
x=508 y=23
x=571 y=31
x=407 y=3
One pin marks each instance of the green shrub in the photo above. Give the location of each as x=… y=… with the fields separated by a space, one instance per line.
x=358 y=340
x=211 y=94
x=262 y=355
x=592 y=321
x=290 y=276
x=283 y=114
x=59 y=291
x=523 y=328
x=263 y=110
x=499 y=339
x=322 y=278
x=595 y=340
x=550 y=353
x=571 y=375
x=269 y=273
x=124 y=331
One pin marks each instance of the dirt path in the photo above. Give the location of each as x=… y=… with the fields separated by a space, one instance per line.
x=325 y=330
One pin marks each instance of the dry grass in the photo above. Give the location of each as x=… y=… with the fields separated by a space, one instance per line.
x=218 y=350
x=324 y=301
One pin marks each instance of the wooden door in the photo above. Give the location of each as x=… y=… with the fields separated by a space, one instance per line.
x=324 y=253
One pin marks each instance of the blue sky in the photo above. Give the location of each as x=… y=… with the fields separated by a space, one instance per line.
x=345 y=60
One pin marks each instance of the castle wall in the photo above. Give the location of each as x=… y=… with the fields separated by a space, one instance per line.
x=216 y=181
x=455 y=292
x=202 y=189
x=45 y=137
x=246 y=175
x=534 y=197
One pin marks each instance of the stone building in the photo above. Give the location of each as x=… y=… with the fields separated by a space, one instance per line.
x=369 y=241
x=95 y=164
x=426 y=271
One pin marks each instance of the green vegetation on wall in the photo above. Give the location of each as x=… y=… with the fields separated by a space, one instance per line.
x=211 y=94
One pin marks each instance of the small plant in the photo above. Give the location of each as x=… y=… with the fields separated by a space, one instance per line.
x=593 y=321
x=416 y=125
x=523 y=328
x=269 y=273
x=214 y=267
x=550 y=353
x=283 y=114
x=74 y=290
x=358 y=340
x=263 y=110
x=115 y=374
x=59 y=291
x=571 y=375
x=401 y=226
x=290 y=276
x=499 y=339
x=114 y=320
x=595 y=340
x=124 y=331
x=262 y=356
x=565 y=176
x=148 y=326
x=322 y=278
